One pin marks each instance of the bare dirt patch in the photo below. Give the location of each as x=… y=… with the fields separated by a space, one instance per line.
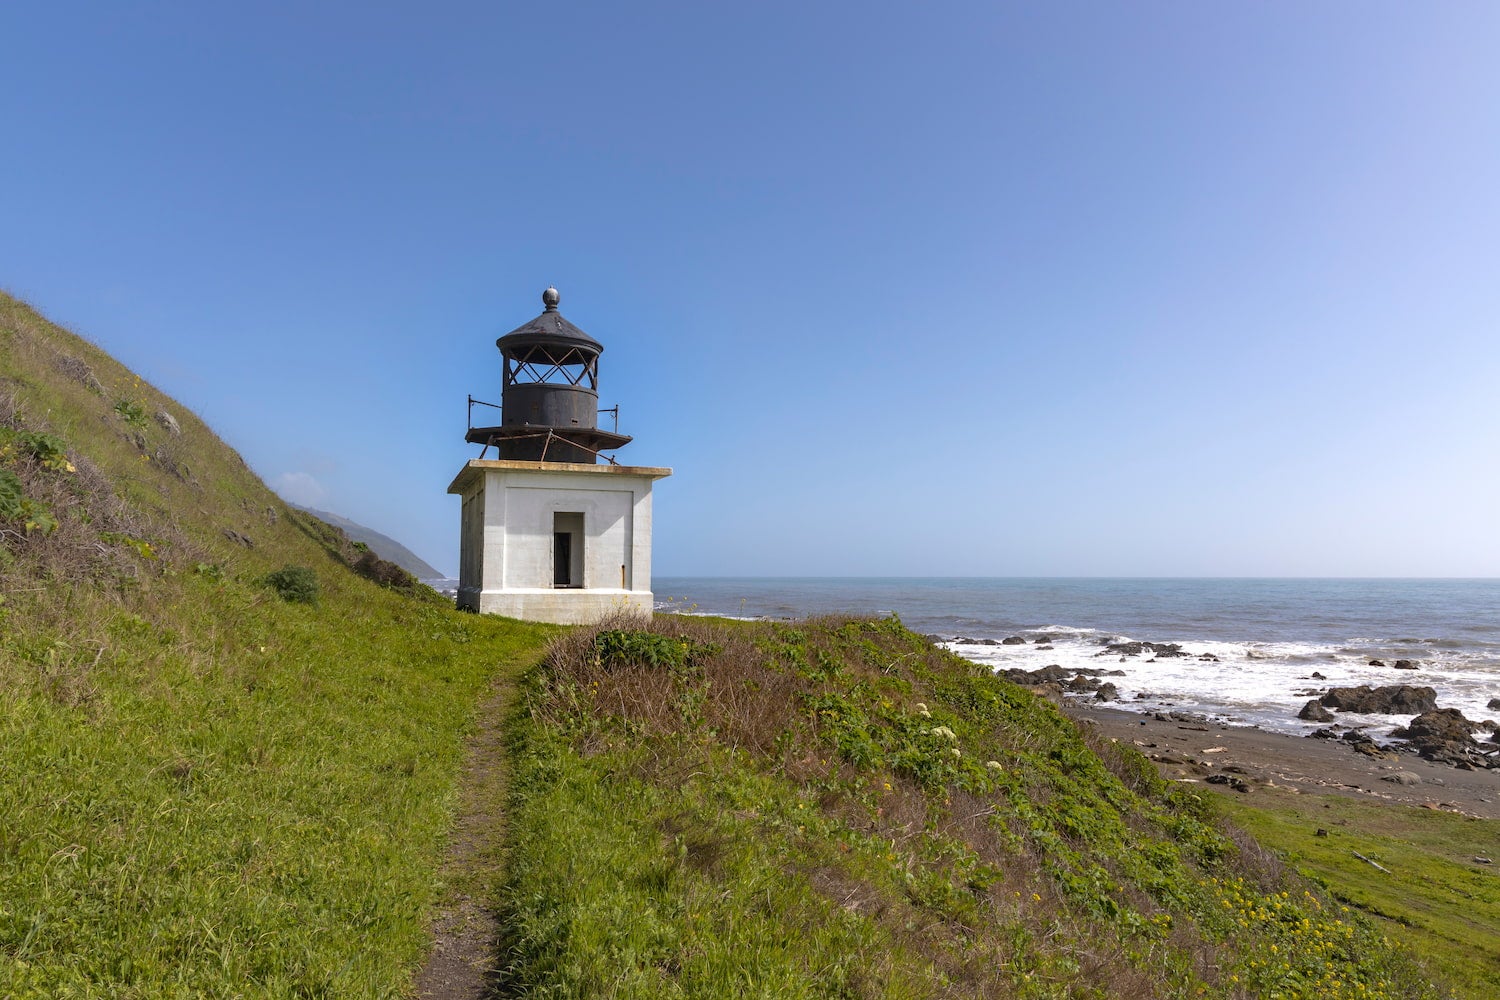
x=1197 y=752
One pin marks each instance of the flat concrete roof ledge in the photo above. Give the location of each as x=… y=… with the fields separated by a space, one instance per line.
x=477 y=465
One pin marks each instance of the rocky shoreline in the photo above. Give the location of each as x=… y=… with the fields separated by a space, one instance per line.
x=1243 y=760
x=1443 y=736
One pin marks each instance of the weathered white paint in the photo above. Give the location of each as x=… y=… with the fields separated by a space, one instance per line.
x=510 y=510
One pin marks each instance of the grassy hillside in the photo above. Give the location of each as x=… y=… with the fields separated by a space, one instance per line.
x=838 y=809
x=206 y=789
x=230 y=745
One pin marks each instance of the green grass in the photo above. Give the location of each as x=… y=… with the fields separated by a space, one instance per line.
x=1434 y=896
x=261 y=819
x=207 y=790
x=837 y=809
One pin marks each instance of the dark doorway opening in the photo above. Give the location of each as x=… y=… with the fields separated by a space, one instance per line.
x=562 y=559
x=567 y=549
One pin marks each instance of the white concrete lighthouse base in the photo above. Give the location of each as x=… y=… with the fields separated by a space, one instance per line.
x=554 y=541
x=562 y=607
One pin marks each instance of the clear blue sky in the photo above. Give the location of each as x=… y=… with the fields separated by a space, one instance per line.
x=951 y=288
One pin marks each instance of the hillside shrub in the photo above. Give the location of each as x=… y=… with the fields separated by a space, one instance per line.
x=296 y=584
x=382 y=571
x=627 y=647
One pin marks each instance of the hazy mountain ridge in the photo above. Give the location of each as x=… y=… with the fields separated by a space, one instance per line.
x=382 y=545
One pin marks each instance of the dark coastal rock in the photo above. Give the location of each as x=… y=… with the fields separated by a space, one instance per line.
x=1114 y=673
x=1041 y=640
x=1081 y=684
x=1052 y=691
x=1444 y=735
x=1323 y=734
x=1390 y=699
x=1193 y=719
x=1377 y=663
x=1052 y=673
x=1107 y=692
x=1318 y=677
x=1443 y=725
x=1042 y=649
x=1238 y=784
x=1160 y=649
x=1012 y=640
x=1405 y=665
x=1314 y=711
x=1494 y=703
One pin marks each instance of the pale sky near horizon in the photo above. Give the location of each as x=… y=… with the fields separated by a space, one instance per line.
x=946 y=289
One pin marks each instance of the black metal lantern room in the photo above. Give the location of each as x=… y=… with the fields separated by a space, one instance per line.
x=549 y=406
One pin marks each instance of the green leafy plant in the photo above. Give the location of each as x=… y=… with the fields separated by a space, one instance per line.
x=651 y=649
x=15 y=505
x=47 y=449
x=296 y=584
x=132 y=412
x=140 y=547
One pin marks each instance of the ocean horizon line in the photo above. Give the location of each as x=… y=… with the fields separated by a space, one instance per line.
x=791 y=576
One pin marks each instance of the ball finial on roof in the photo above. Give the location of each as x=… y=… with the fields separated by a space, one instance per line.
x=550 y=298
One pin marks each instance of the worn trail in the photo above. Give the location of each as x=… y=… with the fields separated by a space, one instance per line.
x=465 y=930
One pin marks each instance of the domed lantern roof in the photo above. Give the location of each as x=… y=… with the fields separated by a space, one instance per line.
x=551 y=333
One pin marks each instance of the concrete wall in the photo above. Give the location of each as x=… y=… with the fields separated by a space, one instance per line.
x=510 y=510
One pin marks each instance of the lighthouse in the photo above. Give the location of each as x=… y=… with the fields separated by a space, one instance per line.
x=548 y=531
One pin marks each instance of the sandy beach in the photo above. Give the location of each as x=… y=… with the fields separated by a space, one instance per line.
x=1195 y=751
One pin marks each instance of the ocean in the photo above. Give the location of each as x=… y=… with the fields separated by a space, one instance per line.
x=1269 y=635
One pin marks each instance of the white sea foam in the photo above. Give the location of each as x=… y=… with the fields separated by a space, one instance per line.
x=1260 y=684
